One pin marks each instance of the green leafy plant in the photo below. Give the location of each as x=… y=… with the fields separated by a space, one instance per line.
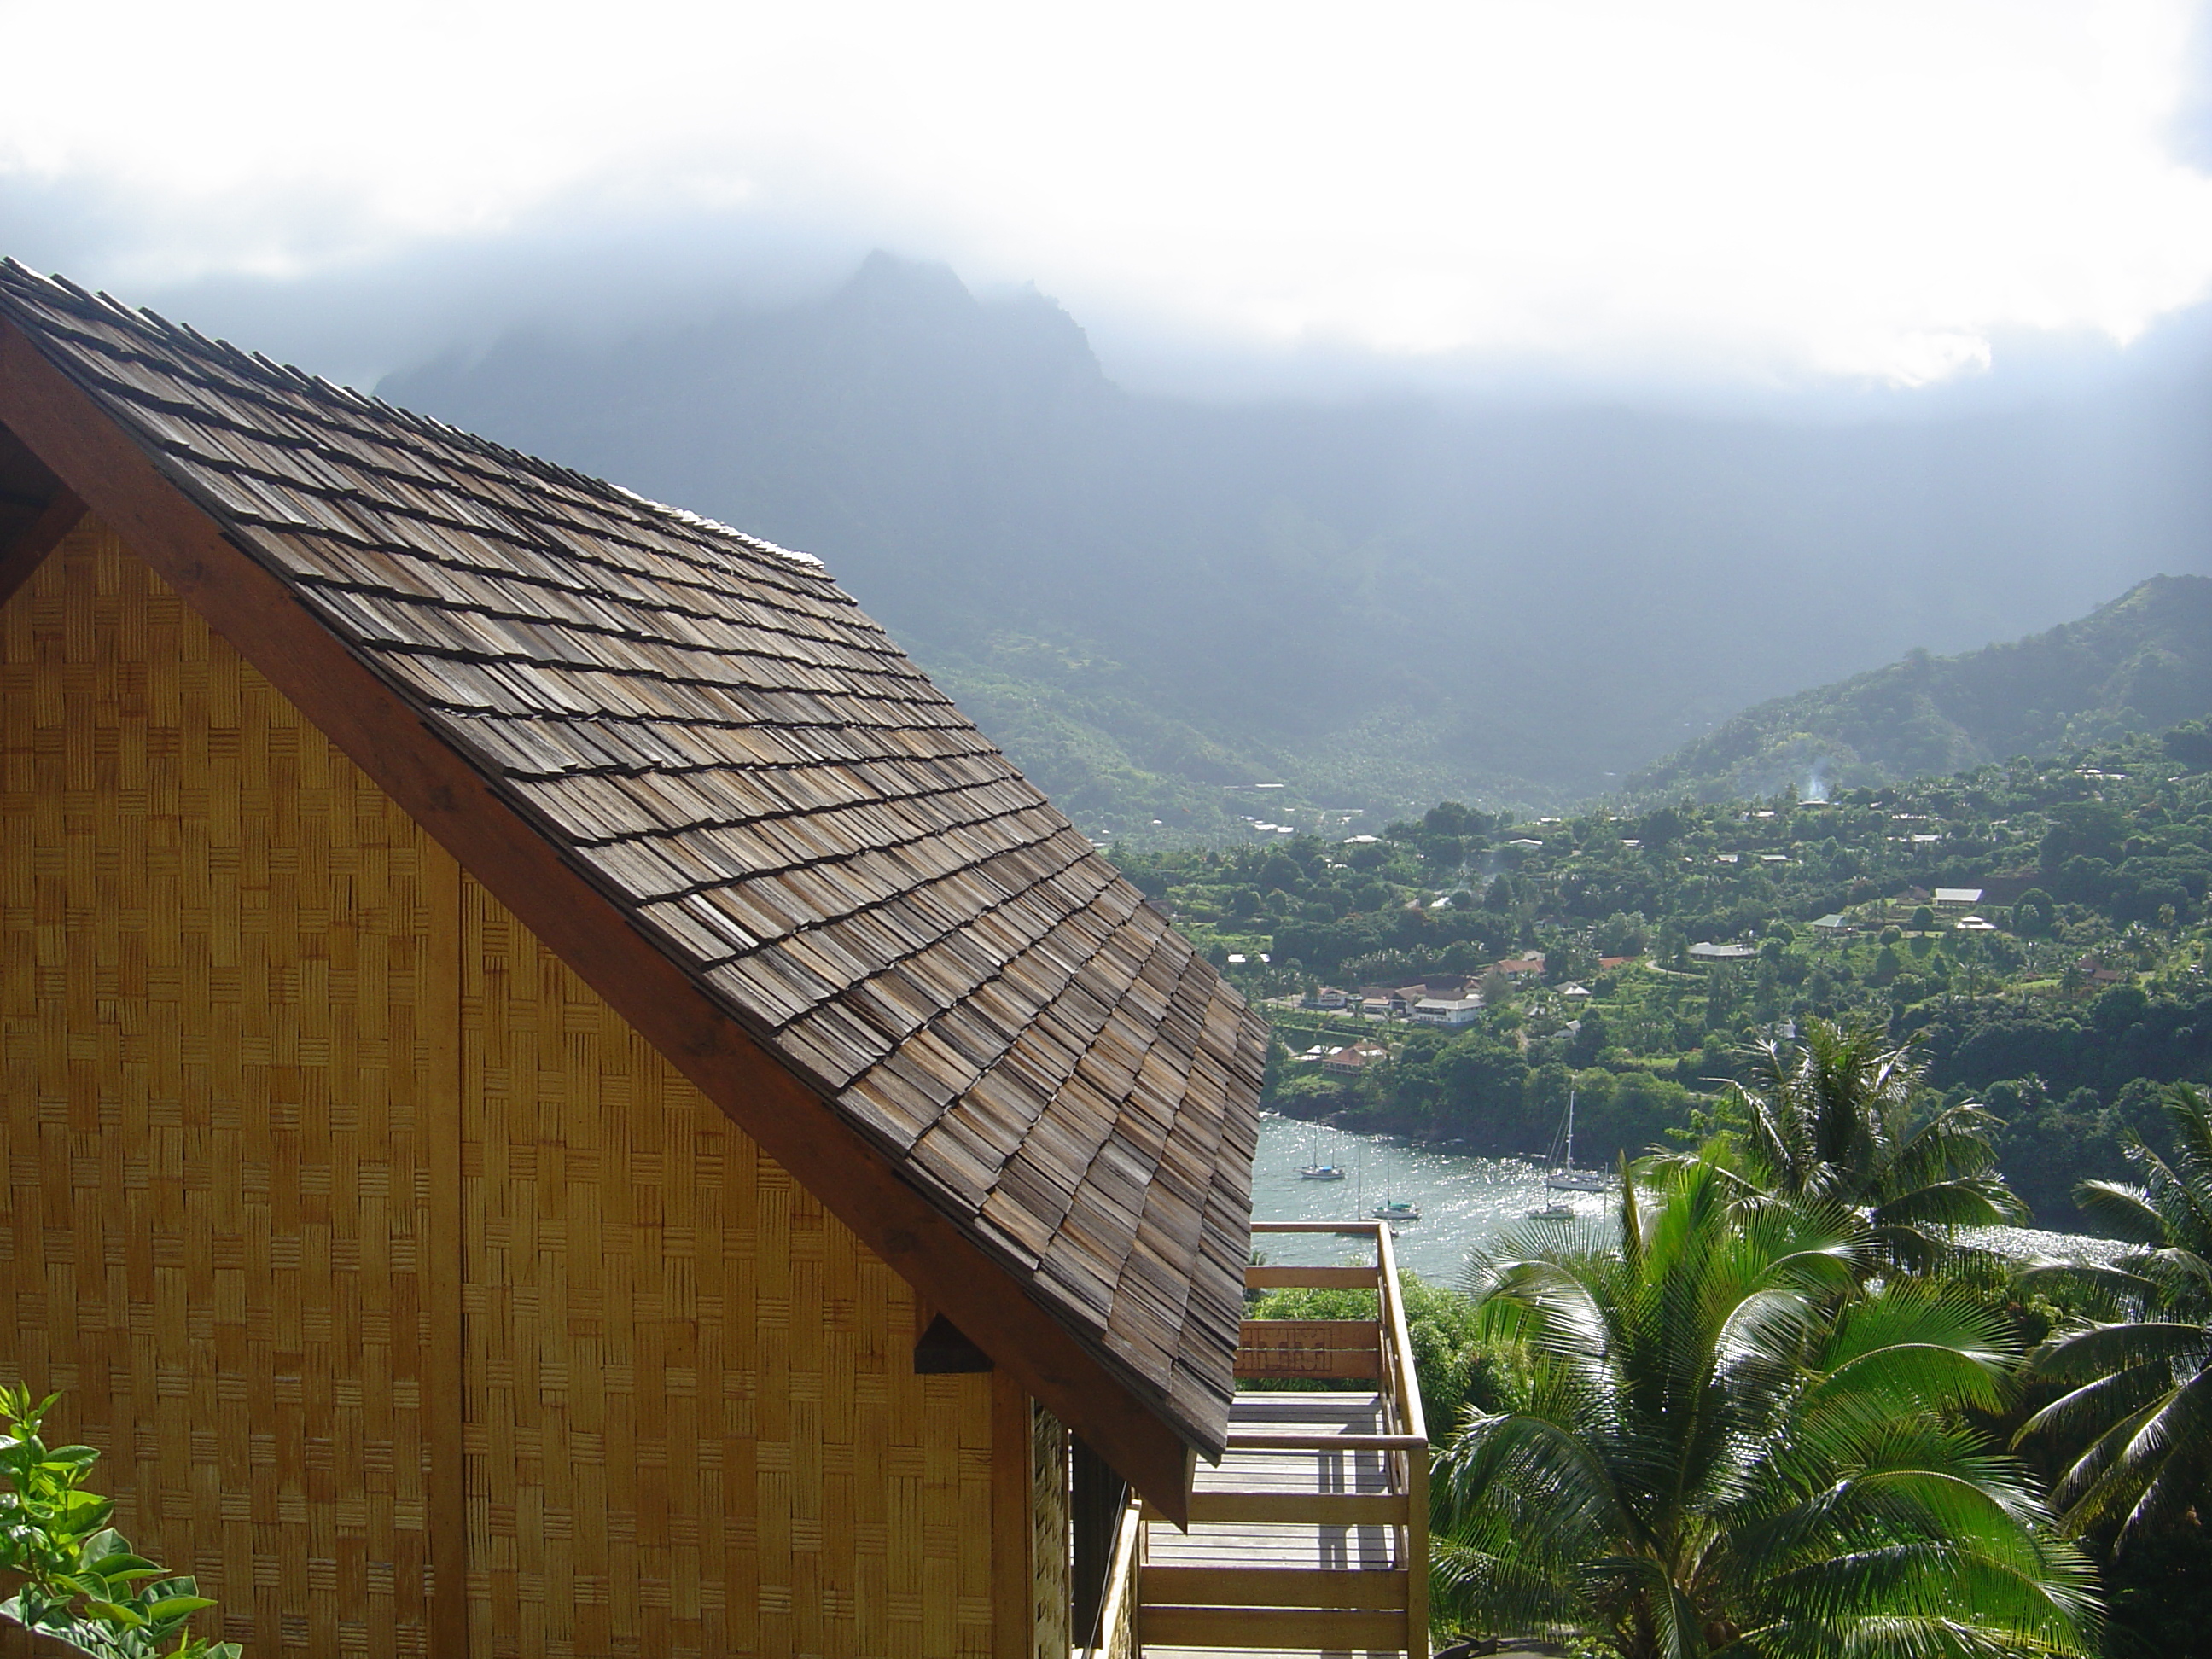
x=1726 y=1443
x=1836 y=1118
x=82 y=1582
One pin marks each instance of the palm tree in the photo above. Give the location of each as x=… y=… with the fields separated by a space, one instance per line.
x=2141 y=1384
x=1725 y=1446
x=1836 y=1119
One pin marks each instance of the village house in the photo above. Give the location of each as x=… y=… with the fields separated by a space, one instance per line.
x=1382 y=1001
x=1706 y=950
x=561 y=1099
x=1353 y=1059
x=1447 y=1011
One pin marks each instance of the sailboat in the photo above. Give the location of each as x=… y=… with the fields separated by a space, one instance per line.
x=1566 y=1178
x=1390 y=1208
x=1318 y=1171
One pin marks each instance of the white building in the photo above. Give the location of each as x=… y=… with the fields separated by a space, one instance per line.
x=1447 y=1011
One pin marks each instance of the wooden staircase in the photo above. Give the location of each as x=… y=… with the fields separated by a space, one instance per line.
x=1311 y=1537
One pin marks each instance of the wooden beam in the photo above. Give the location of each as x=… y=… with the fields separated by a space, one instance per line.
x=1368 y=1590
x=1303 y=1628
x=440 y=787
x=1013 y=1532
x=1408 y=1387
x=1320 y=1441
x=441 y=1127
x=21 y=558
x=1310 y=1348
x=1283 y=1279
x=1324 y=1509
x=1348 y=1229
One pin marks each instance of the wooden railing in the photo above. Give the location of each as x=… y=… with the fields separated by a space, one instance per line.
x=1117 y=1637
x=1327 y=1607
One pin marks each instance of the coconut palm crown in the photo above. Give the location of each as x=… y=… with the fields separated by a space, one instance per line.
x=1836 y=1118
x=2140 y=1399
x=1725 y=1445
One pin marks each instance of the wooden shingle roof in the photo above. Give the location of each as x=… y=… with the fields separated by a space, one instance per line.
x=713 y=735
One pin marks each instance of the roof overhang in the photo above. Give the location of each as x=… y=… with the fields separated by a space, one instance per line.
x=96 y=465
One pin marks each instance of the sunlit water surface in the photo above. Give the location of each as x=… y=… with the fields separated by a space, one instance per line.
x=1465 y=1202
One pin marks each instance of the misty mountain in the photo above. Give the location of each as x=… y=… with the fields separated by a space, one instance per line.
x=2140 y=664
x=1377 y=604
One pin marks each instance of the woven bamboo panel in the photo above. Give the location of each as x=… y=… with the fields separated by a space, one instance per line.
x=1049 y=1534
x=693 y=1423
x=222 y=1024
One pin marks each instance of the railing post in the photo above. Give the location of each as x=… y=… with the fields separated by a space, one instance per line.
x=1417 y=1553
x=1414 y=1421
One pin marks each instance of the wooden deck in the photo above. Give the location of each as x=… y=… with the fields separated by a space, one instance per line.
x=1310 y=1538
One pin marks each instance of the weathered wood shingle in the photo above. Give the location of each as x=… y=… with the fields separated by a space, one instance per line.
x=719 y=738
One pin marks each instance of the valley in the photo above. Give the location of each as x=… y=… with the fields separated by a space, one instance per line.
x=2038 y=929
x=1154 y=602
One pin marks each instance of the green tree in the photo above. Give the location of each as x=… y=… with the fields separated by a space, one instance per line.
x=2140 y=1402
x=1836 y=1118
x=2088 y=829
x=1623 y=934
x=1722 y=1448
x=2034 y=914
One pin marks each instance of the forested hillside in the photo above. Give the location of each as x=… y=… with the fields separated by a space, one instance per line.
x=1671 y=938
x=2140 y=664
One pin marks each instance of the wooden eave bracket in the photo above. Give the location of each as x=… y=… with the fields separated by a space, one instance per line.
x=20 y=558
x=110 y=473
x=942 y=1348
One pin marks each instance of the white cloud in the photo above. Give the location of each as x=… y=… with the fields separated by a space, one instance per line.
x=1764 y=189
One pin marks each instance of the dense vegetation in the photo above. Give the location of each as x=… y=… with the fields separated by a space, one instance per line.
x=1773 y=1405
x=1729 y=1436
x=2086 y=991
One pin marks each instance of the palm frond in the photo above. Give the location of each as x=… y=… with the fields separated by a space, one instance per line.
x=2094 y=1407
x=2109 y=1347
x=2119 y=1211
x=2102 y=1280
x=1734 y=1428
x=1969 y=1200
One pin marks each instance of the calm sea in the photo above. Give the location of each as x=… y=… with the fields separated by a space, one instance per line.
x=1465 y=1202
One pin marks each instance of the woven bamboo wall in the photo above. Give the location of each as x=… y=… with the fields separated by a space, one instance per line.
x=693 y=1421
x=247 y=1015
x=220 y=1021
x=1049 y=1537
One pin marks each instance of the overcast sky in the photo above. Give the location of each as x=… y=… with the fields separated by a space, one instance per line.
x=1761 y=193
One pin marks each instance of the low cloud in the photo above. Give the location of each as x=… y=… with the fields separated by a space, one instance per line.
x=1731 y=194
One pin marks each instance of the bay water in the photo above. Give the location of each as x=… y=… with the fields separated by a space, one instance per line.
x=1467 y=1202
